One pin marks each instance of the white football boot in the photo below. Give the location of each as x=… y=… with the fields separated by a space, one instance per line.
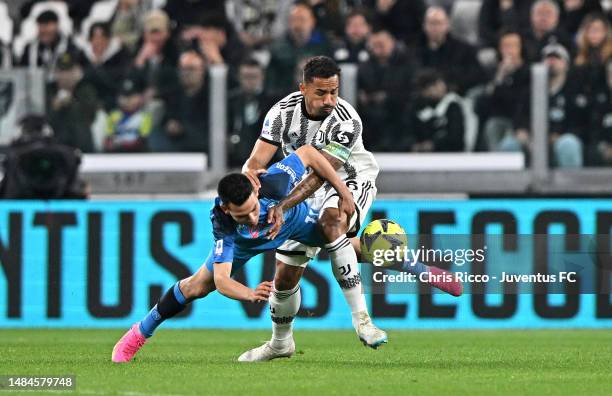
x=368 y=333
x=266 y=352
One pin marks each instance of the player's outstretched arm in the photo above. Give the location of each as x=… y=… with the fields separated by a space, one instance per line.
x=236 y=290
x=324 y=167
x=256 y=163
x=312 y=158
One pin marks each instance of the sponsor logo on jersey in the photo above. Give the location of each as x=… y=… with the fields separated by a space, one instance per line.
x=219 y=247
x=254 y=231
x=343 y=137
x=287 y=170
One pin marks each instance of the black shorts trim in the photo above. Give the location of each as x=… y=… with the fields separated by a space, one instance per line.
x=352 y=234
x=277 y=144
x=291 y=252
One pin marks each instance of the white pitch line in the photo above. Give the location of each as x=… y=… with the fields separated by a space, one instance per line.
x=148 y=394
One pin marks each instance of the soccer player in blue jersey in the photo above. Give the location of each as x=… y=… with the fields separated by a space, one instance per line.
x=240 y=226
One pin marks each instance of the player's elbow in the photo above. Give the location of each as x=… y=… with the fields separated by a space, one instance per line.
x=221 y=283
x=306 y=154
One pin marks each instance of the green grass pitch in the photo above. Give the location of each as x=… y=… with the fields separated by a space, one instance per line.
x=202 y=362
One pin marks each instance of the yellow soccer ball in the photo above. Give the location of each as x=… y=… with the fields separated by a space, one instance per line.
x=380 y=236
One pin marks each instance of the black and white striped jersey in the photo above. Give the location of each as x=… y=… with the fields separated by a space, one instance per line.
x=339 y=134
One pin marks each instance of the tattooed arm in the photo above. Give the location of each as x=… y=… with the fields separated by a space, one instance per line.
x=303 y=190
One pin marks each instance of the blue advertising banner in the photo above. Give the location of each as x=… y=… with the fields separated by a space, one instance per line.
x=104 y=264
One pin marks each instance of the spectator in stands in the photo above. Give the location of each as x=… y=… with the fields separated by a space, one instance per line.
x=77 y=9
x=574 y=11
x=127 y=23
x=352 y=47
x=439 y=50
x=384 y=85
x=498 y=105
x=183 y=14
x=436 y=120
x=302 y=40
x=329 y=16
x=185 y=124
x=20 y=9
x=258 y=22
x=497 y=15
x=157 y=56
x=594 y=50
x=72 y=104
x=403 y=18
x=248 y=105
x=49 y=44
x=214 y=38
x=545 y=29
x=106 y=62
x=599 y=140
x=129 y=126
x=565 y=114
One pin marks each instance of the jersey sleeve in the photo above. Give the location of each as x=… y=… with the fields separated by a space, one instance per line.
x=281 y=177
x=271 y=130
x=342 y=139
x=224 y=230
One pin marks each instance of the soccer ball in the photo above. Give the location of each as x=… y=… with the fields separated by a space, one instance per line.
x=379 y=236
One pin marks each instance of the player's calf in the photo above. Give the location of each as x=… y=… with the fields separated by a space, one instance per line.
x=284 y=305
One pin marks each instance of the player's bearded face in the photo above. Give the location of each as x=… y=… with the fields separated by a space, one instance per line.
x=320 y=95
x=247 y=213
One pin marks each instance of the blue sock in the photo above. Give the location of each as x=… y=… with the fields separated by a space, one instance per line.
x=416 y=269
x=150 y=322
x=171 y=303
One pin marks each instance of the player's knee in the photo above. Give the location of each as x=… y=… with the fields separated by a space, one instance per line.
x=332 y=227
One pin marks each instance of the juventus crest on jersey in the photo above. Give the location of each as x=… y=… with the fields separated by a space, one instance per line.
x=339 y=134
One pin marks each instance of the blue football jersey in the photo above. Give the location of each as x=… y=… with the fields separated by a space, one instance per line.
x=233 y=239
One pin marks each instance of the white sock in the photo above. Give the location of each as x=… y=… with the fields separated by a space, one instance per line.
x=346 y=271
x=284 y=305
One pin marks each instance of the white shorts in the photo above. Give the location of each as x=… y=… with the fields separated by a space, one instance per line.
x=364 y=192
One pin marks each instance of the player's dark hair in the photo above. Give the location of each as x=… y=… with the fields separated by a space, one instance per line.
x=320 y=67
x=234 y=188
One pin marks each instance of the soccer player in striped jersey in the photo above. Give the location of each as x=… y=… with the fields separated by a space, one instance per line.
x=316 y=116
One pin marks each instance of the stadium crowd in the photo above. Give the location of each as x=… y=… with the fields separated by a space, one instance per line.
x=137 y=72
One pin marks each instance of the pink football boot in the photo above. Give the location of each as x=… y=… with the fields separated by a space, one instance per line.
x=128 y=345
